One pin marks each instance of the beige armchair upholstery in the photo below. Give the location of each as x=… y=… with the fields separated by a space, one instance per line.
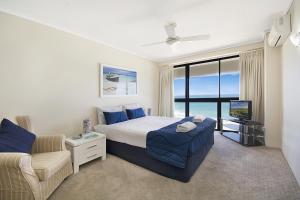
x=45 y=144
x=36 y=176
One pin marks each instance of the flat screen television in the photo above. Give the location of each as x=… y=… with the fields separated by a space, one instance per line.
x=241 y=109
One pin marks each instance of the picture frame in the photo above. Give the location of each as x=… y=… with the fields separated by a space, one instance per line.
x=117 y=81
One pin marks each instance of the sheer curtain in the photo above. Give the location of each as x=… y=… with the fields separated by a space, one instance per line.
x=252 y=81
x=166 y=91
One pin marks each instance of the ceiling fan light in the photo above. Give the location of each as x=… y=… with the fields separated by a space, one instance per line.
x=174 y=47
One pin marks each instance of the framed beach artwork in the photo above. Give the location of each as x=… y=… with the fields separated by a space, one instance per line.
x=117 y=81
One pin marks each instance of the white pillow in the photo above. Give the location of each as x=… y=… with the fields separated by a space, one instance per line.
x=101 y=119
x=131 y=106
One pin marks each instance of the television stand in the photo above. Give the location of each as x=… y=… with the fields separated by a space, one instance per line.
x=244 y=132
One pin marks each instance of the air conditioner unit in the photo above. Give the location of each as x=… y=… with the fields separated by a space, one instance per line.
x=280 y=31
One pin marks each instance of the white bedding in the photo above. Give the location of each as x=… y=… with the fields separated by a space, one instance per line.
x=134 y=132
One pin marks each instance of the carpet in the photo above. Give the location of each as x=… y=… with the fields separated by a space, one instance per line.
x=229 y=172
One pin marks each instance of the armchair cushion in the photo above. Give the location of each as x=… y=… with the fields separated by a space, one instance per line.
x=47 y=164
x=13 y=138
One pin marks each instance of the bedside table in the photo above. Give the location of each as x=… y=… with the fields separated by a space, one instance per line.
x=91 y=146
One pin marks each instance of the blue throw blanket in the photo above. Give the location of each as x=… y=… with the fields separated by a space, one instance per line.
x=174 y=148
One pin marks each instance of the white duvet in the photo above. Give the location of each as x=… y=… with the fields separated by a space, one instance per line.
x=134 y=132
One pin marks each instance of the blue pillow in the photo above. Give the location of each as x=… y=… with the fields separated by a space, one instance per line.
x=135 y=113
x=13 y=138
x=115 y=117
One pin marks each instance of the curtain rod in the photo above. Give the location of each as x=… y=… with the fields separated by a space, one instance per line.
x=225 y=56
x=256 y=49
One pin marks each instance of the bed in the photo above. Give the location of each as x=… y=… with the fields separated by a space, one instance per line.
x=128 y=140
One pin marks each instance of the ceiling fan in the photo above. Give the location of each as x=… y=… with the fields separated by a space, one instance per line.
x=173 y=38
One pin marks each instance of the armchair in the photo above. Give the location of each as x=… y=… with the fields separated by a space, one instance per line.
x=35 y=176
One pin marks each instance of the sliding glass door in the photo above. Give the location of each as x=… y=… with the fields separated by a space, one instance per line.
x=206 y=87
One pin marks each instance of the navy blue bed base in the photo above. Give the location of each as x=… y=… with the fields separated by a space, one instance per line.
x=139 y=156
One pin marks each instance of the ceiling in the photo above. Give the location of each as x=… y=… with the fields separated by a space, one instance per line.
x=127 y=24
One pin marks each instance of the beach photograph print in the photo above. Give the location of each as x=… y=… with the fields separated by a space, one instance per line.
x=117 y=81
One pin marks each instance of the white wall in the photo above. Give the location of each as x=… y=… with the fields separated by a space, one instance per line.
x=273 y=95
x=53 y=76
x=291 y=97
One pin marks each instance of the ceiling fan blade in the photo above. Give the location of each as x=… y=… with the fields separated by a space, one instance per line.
x=154 y=43
x=195 y=37
x=170 y=30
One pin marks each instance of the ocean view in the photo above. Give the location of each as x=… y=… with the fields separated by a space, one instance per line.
x=206 y=87
x=206 y=109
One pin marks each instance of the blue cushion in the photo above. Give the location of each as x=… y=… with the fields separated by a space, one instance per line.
x=13 y=138
x=115 y=117
x=135 y=113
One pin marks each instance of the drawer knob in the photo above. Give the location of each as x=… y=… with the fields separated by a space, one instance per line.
x=91 y=146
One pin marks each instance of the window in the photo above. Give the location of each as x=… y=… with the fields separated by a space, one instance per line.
x=206 y=87
x=225 y=110
x=179 y=110
x=179 y=91
x=206 y=109
x=204 y=80
x=230 y=78
x=179 y=83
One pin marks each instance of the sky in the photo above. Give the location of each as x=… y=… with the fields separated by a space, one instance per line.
x=208 y=85
x=239 y=105
x=107 y=70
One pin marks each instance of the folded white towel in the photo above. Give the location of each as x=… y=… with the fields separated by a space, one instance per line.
x=185 y=127
x=199 y=118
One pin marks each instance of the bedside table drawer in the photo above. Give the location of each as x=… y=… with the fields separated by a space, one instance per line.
x=90 y=146
x=89 y=151
x=91 y=155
